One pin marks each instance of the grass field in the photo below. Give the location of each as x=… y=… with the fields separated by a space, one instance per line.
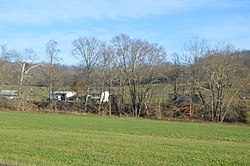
x=53 y=139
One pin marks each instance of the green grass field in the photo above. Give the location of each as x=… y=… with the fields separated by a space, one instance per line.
x=53 y=139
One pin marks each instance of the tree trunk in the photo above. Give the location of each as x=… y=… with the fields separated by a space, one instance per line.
x=86 y=101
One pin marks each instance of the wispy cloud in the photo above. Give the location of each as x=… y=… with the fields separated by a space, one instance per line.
x=32 y=23
x=33 y=11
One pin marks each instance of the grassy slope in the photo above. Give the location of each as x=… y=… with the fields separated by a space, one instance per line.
x=50 y=139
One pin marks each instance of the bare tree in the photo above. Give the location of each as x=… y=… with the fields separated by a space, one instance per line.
x=6 y=56
x=3 y=59
x=137 y=59
x=88 y=51
x=52 y=54
x=25 y=65
x=107 y=60
x=195 y=49
x=177 y=71
x=225 y=76
x=4 y=53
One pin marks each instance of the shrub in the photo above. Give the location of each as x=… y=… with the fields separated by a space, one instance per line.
x=8 y=104
x=248 y=117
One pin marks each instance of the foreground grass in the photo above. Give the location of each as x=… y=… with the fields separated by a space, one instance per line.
x=51 y=139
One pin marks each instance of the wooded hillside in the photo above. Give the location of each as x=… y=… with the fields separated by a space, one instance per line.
x=204 y=81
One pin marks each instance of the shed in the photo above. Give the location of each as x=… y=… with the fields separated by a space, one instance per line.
x=63 y=95
x=9 y=94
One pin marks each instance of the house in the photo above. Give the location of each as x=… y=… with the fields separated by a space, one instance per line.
x=63 y=95
x=9 y=94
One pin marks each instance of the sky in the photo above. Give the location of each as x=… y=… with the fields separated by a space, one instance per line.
x=30 y=24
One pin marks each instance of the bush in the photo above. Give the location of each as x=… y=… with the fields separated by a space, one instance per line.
x=248 y=117
x=8 y=104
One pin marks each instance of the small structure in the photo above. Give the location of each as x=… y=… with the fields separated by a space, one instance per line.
x=63 y=95
x=9 y=94
x=183 y=98
x=94 y=96
x=177 y=98
x=104 y=97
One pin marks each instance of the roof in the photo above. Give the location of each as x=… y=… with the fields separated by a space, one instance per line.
x=9 y=92
x=63 y=92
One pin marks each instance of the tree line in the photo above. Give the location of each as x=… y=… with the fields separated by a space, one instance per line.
x=139 y=77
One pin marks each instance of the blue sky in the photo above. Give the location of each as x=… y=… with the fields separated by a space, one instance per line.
x=170 y=23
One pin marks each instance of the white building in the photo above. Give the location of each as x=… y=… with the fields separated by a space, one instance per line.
x=63 y=95
x=9 y=94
